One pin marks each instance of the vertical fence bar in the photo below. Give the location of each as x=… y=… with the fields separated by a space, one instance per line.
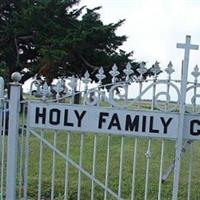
x=67 y=168
x=190 y=172
x=161 y=168
x=2 y=132
x=26 y=158
x=120 y=167
x=107 y=166
x=134 y=169
x=187 y=47
x=80 y=164
x=153 y=98
x=14 y=108
x=1 y=105
x=95 y=145
x=40 y=167
x=26 y=166
x=140 y=91
x=53 y=166
x=148 y=155
x=94 y=165
x=195 y=73
x=169 y=71
x=154 y=93
x=21 y=166
x=3 y=151
x=135 y=146
x=1 y=102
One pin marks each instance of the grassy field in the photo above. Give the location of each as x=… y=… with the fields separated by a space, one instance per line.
x=113 y=176
x=114 y=165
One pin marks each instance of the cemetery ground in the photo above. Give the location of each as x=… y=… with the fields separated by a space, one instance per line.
x=100 y=166
x=113 y=175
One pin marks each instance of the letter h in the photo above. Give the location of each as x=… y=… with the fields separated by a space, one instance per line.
x=38 y=114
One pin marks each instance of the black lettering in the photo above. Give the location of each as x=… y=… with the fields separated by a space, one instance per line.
x=114 y=122
x=144 y=119
x=54 y=116
x=66 y=123
x=42 y=115
x=192 y=124
x=79 y=117
x=151 y=126
x=132 y=125
x=165 y=123
x=102 y=119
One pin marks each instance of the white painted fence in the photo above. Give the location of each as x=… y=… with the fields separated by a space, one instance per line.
x=113 y=146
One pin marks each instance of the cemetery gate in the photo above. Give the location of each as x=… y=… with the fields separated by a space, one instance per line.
x=135 y=138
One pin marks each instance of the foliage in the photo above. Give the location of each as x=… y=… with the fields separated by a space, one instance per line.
x=53 y=38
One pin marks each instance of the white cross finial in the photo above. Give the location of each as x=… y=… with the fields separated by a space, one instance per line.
x=187 y=46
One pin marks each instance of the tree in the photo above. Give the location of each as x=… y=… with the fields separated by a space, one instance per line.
x=51 y=38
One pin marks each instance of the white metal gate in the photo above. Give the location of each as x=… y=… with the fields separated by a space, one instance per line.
x=117 y=145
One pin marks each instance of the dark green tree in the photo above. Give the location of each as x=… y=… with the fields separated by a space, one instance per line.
x=53 y=38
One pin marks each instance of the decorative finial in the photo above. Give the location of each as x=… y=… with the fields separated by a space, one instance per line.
x=100 y=75
x=16 y=77
x=45 y=91
x=196 y=72
x=128 y=71
x=86 y=79
x=58 y=89
x=114 y=73
x=169 y=70
x=156 y=69
x=141 y=70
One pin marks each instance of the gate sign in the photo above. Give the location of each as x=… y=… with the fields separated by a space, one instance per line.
x=59 y=116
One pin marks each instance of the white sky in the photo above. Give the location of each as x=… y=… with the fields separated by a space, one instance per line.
x=154 y=27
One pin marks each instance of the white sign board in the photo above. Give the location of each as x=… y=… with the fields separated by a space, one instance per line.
x=102 y=120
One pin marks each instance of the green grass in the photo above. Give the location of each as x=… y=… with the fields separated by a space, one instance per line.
x=128 y=152
x=113 y=177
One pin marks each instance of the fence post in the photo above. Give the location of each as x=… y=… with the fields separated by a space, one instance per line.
x=1 y=102
x=179 y=142
x=14 y=108
x=1 y=121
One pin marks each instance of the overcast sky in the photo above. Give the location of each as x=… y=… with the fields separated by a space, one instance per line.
x=154 y=27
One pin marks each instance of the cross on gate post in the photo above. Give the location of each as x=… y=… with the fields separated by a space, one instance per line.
x=179 y=142
x=187 y=47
